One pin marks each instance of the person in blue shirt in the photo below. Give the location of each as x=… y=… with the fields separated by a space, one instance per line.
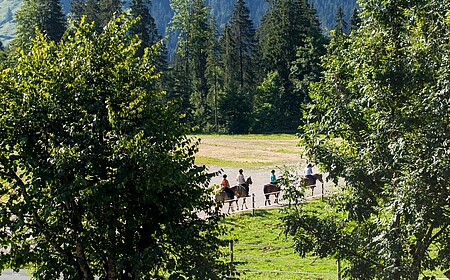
x=273 y=177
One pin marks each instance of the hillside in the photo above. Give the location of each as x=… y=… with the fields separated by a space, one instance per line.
x=162 y=13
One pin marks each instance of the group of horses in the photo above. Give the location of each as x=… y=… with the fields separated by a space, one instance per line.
x=240 y=191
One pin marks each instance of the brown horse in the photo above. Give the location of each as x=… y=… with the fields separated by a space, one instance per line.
x=309 y=182
x=242 y=191
x=271 y=189
x=222 y=197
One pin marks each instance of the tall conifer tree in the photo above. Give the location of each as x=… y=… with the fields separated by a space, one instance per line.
x=355 y=20
x=237 y=55
x=145 y=28
x=240 y=47
x=98 y=11
x=45 y=15
x=341 y=25
x=192 y=20
x=88 y=8
x=108 y=10
x=289 y=28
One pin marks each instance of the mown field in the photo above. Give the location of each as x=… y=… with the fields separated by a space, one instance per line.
x=248 y=151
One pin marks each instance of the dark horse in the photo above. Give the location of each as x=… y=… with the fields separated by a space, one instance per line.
x=271 y=189
x=311 y=182
x=242 y=191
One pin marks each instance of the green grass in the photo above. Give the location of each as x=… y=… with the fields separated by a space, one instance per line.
x=261 y=248
x=263 y=252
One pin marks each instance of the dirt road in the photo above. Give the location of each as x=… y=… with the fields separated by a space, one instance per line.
x=260 y=177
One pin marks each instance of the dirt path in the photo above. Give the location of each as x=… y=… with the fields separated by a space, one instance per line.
x=257 y=156
x=260 y=177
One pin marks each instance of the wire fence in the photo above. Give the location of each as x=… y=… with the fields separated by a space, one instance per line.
x=257 y=201
x=237 y=256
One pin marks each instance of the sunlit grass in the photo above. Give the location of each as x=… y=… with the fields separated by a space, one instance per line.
x=264 y=249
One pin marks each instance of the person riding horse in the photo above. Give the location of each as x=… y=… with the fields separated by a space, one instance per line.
x=241 y=180
x=309 y=174
x=271 y=188
x=273 y=178
x=225 y=185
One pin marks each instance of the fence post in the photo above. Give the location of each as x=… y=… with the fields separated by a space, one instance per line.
x=231 y=250
x=338 y=262
x=322 y=191
x=253 y=204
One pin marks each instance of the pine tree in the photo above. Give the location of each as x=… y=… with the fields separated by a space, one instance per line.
x=100 y=12
x=89 y=9
x=240 y=47
x=237 y=57
x=341 y=25
x=145 y=28
x=45 y=15
x=289 y=28
x=192 y=20
x=108 y=9
x=214 y=74
x=355 y=21
x=283 y=28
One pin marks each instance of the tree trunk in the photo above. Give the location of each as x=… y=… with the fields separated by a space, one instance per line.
x=110 y=269
x=86 y=272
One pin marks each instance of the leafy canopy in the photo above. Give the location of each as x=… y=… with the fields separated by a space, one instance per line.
x=97 y=173
x=379 y=120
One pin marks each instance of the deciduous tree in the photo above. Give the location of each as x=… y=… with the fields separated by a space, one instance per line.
x=379 y=120
x=97 y=173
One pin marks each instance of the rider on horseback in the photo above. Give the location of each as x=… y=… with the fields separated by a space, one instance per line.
x=273 y=178
x=226 y=186
x=309 y=174
x=241 y=180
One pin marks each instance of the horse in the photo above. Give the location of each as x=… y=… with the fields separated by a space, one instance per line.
x=242 y=191
x=309 y=182
x=222 y=197
x=271 y=189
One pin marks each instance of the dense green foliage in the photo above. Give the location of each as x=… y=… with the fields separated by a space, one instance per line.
x=379 y=120
x=290 y=43
x=161 y=11
x=247 y=74
x=97 y=173
x=237 y=56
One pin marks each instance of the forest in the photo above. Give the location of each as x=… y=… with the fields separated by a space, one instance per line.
x=229 y=74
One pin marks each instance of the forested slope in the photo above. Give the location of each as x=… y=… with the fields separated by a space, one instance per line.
x=221 y=9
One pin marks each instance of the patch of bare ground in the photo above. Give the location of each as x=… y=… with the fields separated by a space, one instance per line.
x=238 y=150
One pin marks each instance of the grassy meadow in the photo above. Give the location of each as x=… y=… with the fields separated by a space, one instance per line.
x=262 y=251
